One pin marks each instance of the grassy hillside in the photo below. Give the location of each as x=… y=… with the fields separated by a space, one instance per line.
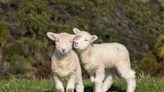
x=148 y=84
x=24 y=46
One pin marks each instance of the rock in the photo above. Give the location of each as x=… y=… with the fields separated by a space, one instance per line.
x=117 y=14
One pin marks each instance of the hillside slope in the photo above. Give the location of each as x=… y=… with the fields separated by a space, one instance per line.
x=134 y=23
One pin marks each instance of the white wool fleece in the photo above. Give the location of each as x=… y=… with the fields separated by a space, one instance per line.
x=65 y=63
x=100 y=60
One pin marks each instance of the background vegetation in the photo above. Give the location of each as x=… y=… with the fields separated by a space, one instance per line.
x=25 y=50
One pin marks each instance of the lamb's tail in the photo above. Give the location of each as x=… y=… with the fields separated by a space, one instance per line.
x=124 y=53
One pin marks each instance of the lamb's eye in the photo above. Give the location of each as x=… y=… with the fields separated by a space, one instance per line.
x=70 y=41
x=57 y=40
x=86 y=40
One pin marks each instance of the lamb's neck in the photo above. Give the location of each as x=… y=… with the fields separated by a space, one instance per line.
x=88 y=52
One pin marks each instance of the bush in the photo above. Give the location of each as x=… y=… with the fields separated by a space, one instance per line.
x=136 y=17
x=20 y=67
x=4 y=70
x=13 y=49
x=152 y=39
x=44 y=71
x=159 y=69
x=33 y=16
x=4 y=33
x=160 y=47
x=148 y=63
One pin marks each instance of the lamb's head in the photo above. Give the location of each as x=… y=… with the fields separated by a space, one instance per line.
x=85 y=40
x=63 y=41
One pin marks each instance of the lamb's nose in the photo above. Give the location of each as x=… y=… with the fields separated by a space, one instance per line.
x=76 y=44
x=63 y=50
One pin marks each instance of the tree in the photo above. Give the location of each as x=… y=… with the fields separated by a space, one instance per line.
x=111 y=32
x=33 y=16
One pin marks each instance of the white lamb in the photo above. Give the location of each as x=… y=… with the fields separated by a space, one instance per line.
x=101 y=59
x=65 y=63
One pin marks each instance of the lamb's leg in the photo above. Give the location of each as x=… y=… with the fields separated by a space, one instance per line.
x=99 y=80
x=71 y=84
x=79 y=86
x=129 y=75
x=58 y=84
x=79 y=83
x=109 y=78
x=130 y=78
x=92 y=78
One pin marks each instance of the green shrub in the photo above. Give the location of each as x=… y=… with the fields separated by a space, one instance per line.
x=13 y=49
x=151 y=38
x=99 y=41
x=82 y=24
x=134 y=65
x=162 y=2
x=158 y=26
x=148 y=63
x=30 y=59
x=145 y=1
x=147 y=14
x=4 y=70
x=136 y=17
x=33 y=16
x=123 y=40
x=20 y=67
x=55 y=15
x=5 y=1
x=4 y=33
x=160 y=47
x=27 y=43
x=133 y=4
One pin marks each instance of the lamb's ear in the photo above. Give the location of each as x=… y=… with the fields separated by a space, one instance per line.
x=76 y=37
x=76 y=31
x=94 y=38
x=51 y=35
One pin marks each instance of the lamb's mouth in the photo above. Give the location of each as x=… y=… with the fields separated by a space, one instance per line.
x=75 y=46
x=63 y=52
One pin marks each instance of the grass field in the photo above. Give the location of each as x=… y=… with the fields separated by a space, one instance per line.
x=148 y=84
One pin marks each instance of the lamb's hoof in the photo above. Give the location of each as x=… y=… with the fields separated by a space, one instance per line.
x=69 y=90
x=60 y=90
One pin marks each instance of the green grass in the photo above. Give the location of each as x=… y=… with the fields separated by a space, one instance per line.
x=148 y=84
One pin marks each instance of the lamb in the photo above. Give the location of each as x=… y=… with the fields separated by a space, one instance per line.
x=65 y=64
x=100 y=60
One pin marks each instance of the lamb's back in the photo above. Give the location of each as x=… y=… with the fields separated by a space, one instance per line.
x=110 y=52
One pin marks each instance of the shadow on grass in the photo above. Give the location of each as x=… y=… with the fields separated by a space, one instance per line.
x=90 y=89
x=112 y=89
x=116 y=89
